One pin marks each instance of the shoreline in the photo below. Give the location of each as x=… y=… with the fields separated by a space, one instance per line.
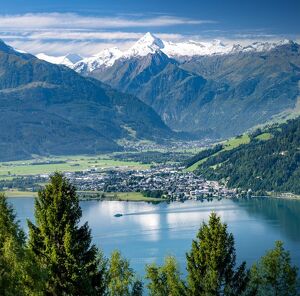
x=87 y=196
x=290 y=197
x=133 y=196
x=284 y=196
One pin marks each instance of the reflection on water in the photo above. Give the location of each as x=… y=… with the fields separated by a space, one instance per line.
x=284 y=213
x=148 y=232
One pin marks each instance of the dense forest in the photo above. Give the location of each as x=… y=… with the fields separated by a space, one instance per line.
x=58 y=258
x=266 y=164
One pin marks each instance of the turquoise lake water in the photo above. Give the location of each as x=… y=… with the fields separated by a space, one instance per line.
x=148 y=232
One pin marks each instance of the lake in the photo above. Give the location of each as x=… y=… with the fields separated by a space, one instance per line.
x=148 y=232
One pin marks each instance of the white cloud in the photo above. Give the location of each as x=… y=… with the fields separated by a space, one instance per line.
x=32 y=21
x=83 y=43
x=58 y=48
x=61 y=33
x=82 y=35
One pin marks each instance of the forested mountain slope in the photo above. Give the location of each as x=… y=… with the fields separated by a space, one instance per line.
x=270 y=162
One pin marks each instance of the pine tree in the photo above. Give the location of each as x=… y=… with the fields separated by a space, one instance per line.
x=11 y=243
x=211 y=262
x=19 y=273
x=61 y=245
x=165 y=280
x=273 y=274
x=121 y=277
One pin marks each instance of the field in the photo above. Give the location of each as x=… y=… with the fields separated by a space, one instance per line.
x=48 y=165
x=235 y=142
x=264 y=136
x=118 y=196
x=131 y=196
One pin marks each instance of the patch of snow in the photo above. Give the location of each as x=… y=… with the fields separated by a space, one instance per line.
x=19 y=50
x=69 y=60
x=105 y=58
x=148 y=44
x=193 y=48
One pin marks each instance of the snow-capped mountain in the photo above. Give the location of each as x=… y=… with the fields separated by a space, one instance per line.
x=69 y=60
x=105 y=58
x=258 y=46
x=150 y=44
x=216 y=47
x=194 y=48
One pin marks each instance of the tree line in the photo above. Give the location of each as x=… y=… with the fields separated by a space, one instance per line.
x=58 y=258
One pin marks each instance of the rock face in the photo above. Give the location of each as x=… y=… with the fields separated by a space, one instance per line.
x=50 y=109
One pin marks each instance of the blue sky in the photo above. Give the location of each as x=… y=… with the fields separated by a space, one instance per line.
x=87 y=26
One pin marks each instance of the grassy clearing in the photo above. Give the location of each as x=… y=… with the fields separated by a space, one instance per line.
x=134 y=196
x=62 y=164
x=264 y=136
x=235 y=142
x=119 y=196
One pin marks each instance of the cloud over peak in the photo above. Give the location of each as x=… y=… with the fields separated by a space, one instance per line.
x=60 y=33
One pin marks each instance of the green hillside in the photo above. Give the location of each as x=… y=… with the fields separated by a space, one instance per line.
x=269 y=162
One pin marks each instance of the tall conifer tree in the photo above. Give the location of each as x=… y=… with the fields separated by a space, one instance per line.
x=19 y=273
x=274 y=274
x=211 y=262
x=61 y=244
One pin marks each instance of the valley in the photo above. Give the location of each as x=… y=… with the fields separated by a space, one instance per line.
x=150 y=148
x=151 y=175
x=204 y=89
x=146 y=95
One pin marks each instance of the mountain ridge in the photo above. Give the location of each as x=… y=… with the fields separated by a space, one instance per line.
x=220 y=91
x=220 y=95
x=182 y=50
x=50 y=109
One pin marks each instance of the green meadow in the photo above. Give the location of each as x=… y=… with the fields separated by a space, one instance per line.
x=119 y=196
x=47 y=165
